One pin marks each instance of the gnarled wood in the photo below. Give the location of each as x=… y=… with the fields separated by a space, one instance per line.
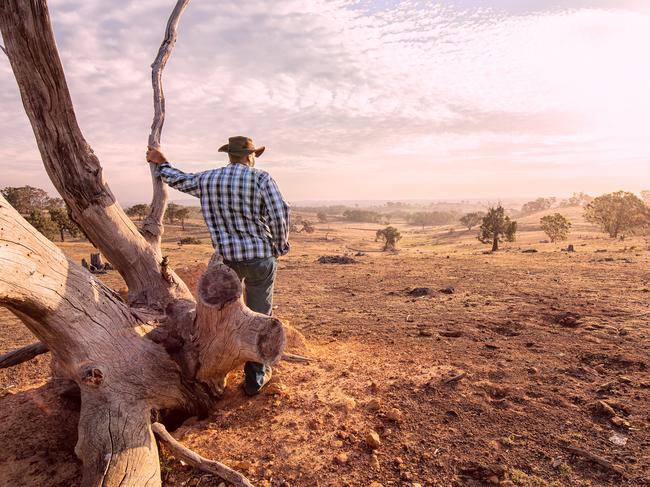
x=197 y=461
x=71 y=164
x=22 y=354
x=228 y=334
x=97 y=342
x=152 y=226
x=124 y=365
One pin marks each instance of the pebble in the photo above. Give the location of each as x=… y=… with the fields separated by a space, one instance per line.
x=374 y=461
x=375 y=484
x=394 y=414
x=276 y=388
x=374 y=405
x=618 y=421
x=372 y=438
x=341 y=458
x=348 y=404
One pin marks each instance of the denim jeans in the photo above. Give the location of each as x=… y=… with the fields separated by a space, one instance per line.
x=259 y=277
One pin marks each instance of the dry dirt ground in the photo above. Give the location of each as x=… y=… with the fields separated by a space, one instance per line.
x=496 y=383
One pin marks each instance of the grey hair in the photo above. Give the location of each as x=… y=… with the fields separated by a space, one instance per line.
x=248 y=159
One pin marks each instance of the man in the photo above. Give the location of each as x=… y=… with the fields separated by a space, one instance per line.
x=248 y=221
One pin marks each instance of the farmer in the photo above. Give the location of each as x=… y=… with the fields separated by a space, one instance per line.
x=248 y=221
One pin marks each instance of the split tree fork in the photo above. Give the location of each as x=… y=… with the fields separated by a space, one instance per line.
x=129 y=361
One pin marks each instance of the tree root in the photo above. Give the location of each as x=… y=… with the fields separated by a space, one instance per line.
x=22 y=354
x=292 y=357
x=197 y=461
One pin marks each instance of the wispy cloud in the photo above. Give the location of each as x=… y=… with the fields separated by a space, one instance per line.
x=362 y=99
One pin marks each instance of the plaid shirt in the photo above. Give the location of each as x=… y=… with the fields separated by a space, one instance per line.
x=242 y=206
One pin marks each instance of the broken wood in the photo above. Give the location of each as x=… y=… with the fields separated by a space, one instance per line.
x=152 y=226
x=195 y=460
x=454 y=378
x=96 y=261
x=23 y=354
x=228 y=334
x=596 y=459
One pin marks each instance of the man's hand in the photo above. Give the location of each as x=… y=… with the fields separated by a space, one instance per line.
x=154 y=156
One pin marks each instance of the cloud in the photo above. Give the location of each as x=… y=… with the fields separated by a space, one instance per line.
x=430 y=96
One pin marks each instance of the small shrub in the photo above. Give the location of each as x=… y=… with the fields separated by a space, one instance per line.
x=190 y=241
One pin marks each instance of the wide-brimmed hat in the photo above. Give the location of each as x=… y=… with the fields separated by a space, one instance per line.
x=241 y=145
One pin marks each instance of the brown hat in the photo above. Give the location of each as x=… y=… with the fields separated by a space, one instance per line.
x=241 y=145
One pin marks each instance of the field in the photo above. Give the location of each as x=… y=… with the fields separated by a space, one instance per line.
x=512 y=368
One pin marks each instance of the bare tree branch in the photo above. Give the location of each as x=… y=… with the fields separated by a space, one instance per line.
x=22 y=354
x=70 y=162
x=152 y=227
x=3 y=49
x=197 y=461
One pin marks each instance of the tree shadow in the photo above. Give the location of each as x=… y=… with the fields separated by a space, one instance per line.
x=38 y=433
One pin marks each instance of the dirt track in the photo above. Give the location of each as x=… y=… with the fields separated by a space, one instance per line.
x=534 y=341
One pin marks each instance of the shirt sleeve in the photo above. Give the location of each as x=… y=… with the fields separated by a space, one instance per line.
x=277 y=216
x=185 y=182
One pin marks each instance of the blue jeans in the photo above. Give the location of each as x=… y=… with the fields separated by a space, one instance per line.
x=259 y=277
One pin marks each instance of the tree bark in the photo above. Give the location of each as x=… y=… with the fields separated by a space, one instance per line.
x=97 y=342
x=71 y=164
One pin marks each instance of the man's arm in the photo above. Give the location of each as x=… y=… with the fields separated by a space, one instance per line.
x=185 y=182
x=277 y=216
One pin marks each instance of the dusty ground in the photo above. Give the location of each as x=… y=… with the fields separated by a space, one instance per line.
x=534 y=340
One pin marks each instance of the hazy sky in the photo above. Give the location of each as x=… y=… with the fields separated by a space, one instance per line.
x=361 y=99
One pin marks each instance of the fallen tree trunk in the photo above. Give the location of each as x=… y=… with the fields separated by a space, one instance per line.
x=164 y=352
x=123 y=371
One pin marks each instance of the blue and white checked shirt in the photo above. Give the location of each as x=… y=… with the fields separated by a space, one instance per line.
x=242 y=206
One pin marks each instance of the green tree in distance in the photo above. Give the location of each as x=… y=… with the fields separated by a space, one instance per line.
x=618 y=212
x=470 y=220
x=24 y=199
x=556 y=226
x=497 y=227
x=61 y=218
x=390 y=237
x=139 y=210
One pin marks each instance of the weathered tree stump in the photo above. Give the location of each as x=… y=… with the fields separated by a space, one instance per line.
x=96 y=261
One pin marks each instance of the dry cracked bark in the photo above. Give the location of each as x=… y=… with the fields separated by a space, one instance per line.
x=152 y=226
x=130 y=361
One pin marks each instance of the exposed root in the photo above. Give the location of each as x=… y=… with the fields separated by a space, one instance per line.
x=22 y=354
x=292 y=357
x=197 y=461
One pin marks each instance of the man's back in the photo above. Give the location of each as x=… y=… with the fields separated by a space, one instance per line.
x=242 y=207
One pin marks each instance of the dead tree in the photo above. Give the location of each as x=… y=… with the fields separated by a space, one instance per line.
x=131 y=361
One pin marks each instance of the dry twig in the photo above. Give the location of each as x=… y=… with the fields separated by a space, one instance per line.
x=197 y=461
